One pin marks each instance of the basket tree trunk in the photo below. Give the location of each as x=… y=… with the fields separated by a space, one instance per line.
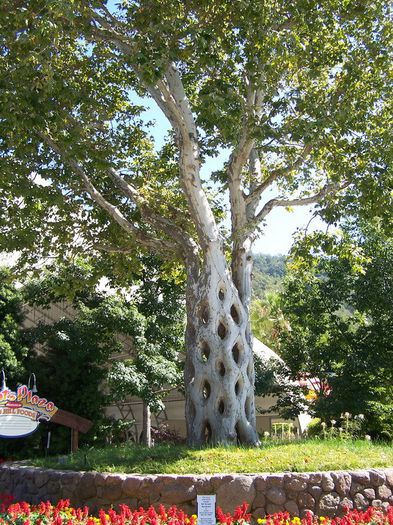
x=219 y=372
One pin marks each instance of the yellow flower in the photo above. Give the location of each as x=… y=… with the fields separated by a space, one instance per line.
x=194 y=516
x=322 y=518
x=261 y=520
x=296 y=520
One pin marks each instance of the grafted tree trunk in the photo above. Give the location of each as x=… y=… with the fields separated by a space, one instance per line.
x=219 y=366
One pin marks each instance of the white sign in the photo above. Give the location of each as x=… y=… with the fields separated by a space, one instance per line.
x=22 y=411
x=206 y=510
x=15 y=425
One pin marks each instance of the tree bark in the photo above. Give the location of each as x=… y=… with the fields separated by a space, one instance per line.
x=219 y=371
x=146 y=425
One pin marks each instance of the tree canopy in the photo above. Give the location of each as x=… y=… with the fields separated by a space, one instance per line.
x=13 y=346
x=155 y=367
x=338 y=302
x=116 y=344
x=306 y=84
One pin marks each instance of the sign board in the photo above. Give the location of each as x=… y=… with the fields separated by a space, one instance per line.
x=206 y=510
x=22 y=411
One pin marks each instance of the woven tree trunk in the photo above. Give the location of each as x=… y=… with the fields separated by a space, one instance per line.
x=219 y=374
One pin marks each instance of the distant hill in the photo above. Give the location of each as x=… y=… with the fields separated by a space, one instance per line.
x=268 y=274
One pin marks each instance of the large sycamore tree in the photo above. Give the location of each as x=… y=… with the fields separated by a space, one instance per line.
x=296 y=93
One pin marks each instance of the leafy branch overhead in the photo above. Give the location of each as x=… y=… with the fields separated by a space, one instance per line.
x=298 y=94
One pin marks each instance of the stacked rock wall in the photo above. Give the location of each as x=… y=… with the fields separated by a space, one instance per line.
x=322 y=493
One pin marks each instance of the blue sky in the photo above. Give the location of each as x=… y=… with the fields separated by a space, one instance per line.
x=280 y=227
x=281 y=224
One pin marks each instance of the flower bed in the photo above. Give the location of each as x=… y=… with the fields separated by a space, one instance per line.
x=22 y=513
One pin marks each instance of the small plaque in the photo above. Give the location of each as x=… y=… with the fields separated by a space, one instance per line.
x=206 y=510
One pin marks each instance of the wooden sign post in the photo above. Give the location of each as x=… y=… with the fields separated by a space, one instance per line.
x=75 y=423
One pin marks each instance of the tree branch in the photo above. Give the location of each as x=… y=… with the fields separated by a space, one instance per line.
x=241 y=253
x=112 y=249
x=317 y=197
x=162 y=92
x=242 y=151
x=255 y=194
x=98 y=198
x=107 y=31
x=240 y=156
x=254 y=168
x=184 y=241
x=107 y=34
x=170 y=96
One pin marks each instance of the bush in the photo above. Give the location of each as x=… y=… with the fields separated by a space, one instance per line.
x=314 y=428
x=163 y=434
x=348 y=427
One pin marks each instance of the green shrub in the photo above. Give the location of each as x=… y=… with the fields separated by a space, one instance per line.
x=314 y=428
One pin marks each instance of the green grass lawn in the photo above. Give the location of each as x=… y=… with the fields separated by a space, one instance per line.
x=300 y=456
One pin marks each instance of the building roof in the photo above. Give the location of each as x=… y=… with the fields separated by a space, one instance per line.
x=264 y=352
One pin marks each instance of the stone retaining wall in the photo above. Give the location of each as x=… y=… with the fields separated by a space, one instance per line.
x=323 y=493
